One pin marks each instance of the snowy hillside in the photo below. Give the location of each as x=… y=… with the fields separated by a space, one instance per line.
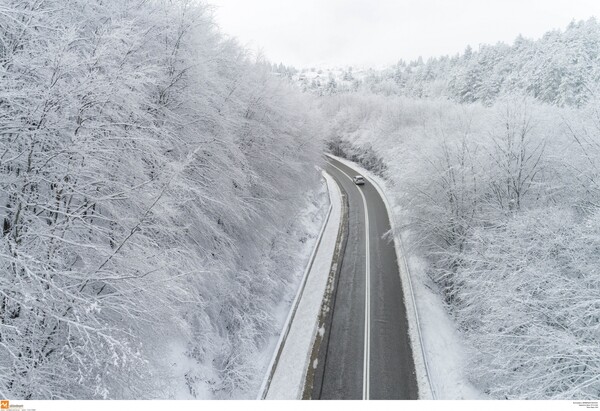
x=152 y=180
x=493 y=159
x=161 y=191
x=501 y=204
x=561 y=68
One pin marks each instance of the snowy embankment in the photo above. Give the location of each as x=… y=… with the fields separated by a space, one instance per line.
x=285 y=374
x=153 y=179
x=443 y=352
x=308 y=229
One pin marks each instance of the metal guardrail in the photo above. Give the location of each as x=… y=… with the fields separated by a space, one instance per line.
x=288 y=323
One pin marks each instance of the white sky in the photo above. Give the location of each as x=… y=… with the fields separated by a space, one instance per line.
x=374 y=33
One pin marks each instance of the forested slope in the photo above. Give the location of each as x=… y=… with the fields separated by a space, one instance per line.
x=561 y=68
x=150 y=178
x=501 y=201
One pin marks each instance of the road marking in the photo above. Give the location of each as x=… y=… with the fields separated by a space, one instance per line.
x=367 y=346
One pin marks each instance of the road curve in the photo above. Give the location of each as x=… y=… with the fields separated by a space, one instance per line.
x=368 y=353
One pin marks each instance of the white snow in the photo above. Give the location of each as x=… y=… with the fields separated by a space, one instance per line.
x=444 y=351
x=288 y=378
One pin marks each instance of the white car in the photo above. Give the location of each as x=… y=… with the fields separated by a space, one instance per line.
x=359 y=180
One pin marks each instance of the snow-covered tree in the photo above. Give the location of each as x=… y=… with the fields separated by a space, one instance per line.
x=139 y=151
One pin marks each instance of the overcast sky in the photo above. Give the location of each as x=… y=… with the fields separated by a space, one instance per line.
x=374 y=33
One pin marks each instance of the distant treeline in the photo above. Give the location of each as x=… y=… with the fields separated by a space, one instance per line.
x=562 y=68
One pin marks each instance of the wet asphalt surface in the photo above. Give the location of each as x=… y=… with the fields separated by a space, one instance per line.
x=391 y=366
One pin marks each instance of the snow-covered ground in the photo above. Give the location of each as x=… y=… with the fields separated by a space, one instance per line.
x=443 y=347
x=290 y=368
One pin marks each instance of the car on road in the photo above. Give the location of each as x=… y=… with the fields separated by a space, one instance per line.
x=359 y=180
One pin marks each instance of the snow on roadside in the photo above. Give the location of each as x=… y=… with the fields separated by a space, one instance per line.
x=443 y=345
x=309 y=225
x=288 y=378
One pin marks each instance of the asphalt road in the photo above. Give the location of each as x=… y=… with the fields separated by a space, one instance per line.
x=368 y=353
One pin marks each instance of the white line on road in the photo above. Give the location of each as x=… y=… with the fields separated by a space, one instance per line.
x=367 y=347
x=403 y=267
x=366 y=366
